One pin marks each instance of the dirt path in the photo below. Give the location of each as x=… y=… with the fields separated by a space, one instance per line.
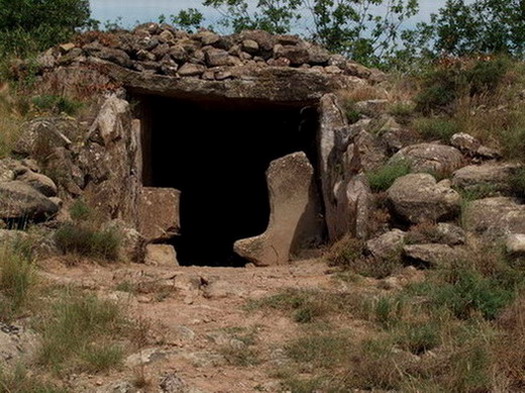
x=199 y=329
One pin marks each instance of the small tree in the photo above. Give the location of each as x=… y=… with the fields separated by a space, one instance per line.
x=35 y=24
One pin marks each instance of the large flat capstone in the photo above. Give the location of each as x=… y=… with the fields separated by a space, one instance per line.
x=294 y=218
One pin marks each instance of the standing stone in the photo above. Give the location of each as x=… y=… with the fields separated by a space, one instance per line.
x=294 y=213
x=159 y=213
x=161 y=255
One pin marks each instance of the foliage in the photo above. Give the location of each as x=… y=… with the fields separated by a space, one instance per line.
x=348 y=27
x=482 y=26
x=436 y=128
x=382 y=178
x=190 y=19
x=82 y=240
x=29 y=25
x=444 y=84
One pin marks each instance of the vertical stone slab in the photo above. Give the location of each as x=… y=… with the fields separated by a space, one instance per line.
x=159 y=218
x=345 y=190
x=294 y=213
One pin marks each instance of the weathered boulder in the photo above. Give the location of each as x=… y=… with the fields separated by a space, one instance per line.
x=418 y=198
x=294 y=217
x=8 y=167
x=430 y=157
x=371 y=151
x=387 y=245
x=465 y=142
x=492 y=175
x=40 y=136
x=132 y=243
x=109 y=159
x=161 y=255
x=495 y=217
x=450 y=234
x=39 y=182
x=515 y=244
x=21 y=201
x=372 y=108
x=17 y=345
x=159 y=213
x=433 y=254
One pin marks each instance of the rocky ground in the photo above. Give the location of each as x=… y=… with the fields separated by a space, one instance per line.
x=202 y=337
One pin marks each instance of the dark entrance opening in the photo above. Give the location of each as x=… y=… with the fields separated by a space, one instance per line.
x=216 y=153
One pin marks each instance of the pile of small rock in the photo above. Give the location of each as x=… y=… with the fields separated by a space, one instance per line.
x=160 y=49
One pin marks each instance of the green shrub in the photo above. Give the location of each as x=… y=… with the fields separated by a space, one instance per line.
x=16 y=280
x=420 y=337
x=80 y=211
x=469 y=293
x=436 y=128
x=57 y=104
x=402 y=109
x=82 y=240
x=382 y=178
x=72 y=332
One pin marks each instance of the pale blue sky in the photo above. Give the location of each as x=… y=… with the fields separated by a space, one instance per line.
x=148 y=10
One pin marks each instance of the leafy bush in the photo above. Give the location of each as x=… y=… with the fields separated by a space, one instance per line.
x=34 y=25
x=436 y=128
x=381 y=179
x=82 y=240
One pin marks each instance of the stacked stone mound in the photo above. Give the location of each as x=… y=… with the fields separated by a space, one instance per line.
x=162 y=50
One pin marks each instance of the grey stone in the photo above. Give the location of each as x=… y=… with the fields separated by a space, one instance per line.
x=515 y=244
x=491 y=175
x=39 y=182
x=294 y=216
x=387 y=245
x=429 y=157
x=158 y=213
x=161 y=255
x=495 y=217
x=21 y=201
x=433 y=254
x=190 y=69
x=418 y=198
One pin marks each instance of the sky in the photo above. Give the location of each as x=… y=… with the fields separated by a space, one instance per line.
x=132 y=11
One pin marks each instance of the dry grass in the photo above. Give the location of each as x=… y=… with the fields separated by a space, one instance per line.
x=10 y=122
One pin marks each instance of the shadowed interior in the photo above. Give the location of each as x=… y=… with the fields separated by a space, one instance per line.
x=216 y=153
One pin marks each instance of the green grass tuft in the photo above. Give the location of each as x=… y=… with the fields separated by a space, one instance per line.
x=383 y=178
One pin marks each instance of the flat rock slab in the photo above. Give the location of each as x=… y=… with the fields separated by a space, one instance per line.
x=430 y=157
x=494 y=175
x=294 y=212
x=159 y=213
x=495 y=216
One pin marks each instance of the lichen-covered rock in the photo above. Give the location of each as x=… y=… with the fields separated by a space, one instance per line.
x=39 y=182
x=494 y=176
x=20 y=201
x=387 y=245
x=433 y=254
x=294 y=213
x=158 y=210
x=495 y=217
x=430 y=157
x=515 y=244
x=450 y=234
x=161 y=255
x=17 y=345
x=418 y=198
